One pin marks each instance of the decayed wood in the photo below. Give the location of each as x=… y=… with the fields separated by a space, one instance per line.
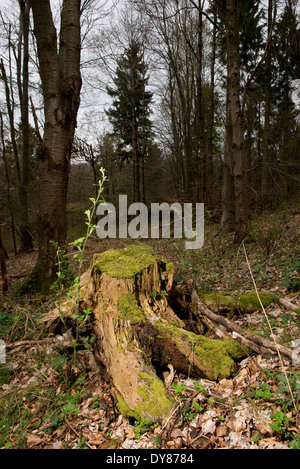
x=288 y=304
x=253 y=341
x=221 y=331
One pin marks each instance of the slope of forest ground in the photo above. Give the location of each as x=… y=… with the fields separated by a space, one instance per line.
x=47 y=401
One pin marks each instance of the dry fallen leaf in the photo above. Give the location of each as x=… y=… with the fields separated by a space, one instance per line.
x=33 y=440
x=208 y=427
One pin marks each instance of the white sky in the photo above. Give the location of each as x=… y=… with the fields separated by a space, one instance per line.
x=91 y=118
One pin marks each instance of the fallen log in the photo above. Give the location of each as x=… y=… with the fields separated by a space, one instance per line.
x=253 y=341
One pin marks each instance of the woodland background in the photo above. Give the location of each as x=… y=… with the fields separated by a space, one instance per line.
x=191 y=145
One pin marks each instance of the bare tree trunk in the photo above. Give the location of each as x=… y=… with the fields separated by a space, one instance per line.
x=266 y=133
x=9 y=186
x=200 y=107
x=228 y=200
x=26 y=238
x=209 y=160
x=61 y=84
x=3 y=257
x=231 y=15
x=135 y=158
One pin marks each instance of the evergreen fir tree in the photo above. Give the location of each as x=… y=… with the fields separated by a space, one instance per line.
x=130 y=111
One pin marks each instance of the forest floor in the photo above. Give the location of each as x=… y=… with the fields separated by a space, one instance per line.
x=46 y=403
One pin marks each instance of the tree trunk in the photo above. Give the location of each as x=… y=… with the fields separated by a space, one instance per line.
x=61 y=84
x=228 y=199
x=237 y=118
x=26 y=237
x=142 y=329
x=3 y=257
x=209 y=161
x=200 y=106
x=135 y=158
x=230 y=14
x=266 y=135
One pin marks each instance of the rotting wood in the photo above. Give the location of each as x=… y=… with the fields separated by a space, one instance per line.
x=253 y=340
x=287 y=304
x=139 y=334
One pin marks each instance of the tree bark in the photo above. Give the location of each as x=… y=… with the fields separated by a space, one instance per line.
x=266 y=134
x=200 y=107
x=230 y=15
x=61 y=84
x=228 y=198
x=26 y=237
x=210 y=163
x=3 y=257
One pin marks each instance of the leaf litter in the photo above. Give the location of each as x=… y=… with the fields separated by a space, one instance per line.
x=58 y=405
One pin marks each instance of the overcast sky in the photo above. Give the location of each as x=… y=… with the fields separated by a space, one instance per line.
x=91 y=119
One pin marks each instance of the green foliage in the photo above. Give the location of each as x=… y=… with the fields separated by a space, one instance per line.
x=179 y=388
x=280 y=423
x=291 y=276
x=51 y=407
x=81 y=316
x=130 y=98
x=144 y=425
x=64 y=274
x=282 y=394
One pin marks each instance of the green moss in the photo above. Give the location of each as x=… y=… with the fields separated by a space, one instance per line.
x=155 y=400
x=127 y=262
x=218 y=302
x=170 y=267
x=124 y=409
x=231 y=303
x=219 y=356
x=168 y=331
x=249 y=303
x=129 y=309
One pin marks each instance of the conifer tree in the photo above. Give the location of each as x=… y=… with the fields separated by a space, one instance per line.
x=130 y=111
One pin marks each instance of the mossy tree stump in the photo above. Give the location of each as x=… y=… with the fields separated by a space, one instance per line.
x=140 y=334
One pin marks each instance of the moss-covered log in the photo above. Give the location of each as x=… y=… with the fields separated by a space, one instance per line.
x=234 y=303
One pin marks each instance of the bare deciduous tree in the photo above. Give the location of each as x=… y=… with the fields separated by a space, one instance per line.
x=59 y=68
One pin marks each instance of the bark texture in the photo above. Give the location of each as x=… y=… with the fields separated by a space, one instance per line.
x=3 y=257
x=234 y=146
x=59 y=67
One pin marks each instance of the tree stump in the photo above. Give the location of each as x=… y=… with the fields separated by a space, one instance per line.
x=140 y=334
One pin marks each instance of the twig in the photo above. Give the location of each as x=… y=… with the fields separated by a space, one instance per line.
x=22 y=343
x=77 y=434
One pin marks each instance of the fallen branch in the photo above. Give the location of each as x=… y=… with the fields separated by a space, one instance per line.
x=256 y=343
x=288 y=304
x=23 y=343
